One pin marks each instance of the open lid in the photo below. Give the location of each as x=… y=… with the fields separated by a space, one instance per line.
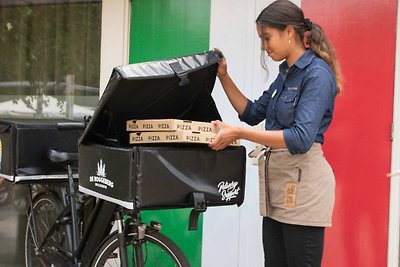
x=177 y=88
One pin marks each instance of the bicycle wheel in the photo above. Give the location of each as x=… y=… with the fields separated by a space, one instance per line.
x=157 y=249
x=45 y=208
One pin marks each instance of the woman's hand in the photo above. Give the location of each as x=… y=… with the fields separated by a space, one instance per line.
x=222 y=66
x=226 y=135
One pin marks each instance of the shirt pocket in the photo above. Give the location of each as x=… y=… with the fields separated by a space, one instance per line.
x=286 y=108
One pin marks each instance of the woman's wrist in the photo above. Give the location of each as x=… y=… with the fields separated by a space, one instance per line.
x=223 y=76
x=239 y=132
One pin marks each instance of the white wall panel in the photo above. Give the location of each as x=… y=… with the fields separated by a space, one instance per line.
x=232 y=236
x=114 y=37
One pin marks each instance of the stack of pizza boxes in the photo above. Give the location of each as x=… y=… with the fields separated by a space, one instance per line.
x=171 y=131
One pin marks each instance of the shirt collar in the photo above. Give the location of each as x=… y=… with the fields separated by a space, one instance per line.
x=301 y=63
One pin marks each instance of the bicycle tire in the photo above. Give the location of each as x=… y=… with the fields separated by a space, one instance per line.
x=167 y=252
x=46 y=208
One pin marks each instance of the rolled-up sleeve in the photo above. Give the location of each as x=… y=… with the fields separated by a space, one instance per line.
x=255 y=112
x=316 y=101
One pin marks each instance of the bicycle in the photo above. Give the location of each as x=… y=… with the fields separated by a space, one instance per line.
x=70 y=228
x=57 y=234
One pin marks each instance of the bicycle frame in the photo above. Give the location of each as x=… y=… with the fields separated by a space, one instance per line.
x=97 y=229
x=88 y=237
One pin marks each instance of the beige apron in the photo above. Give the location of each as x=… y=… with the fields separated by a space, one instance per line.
x=296 y=189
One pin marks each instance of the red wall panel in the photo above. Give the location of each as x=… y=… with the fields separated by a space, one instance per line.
x=358 y=143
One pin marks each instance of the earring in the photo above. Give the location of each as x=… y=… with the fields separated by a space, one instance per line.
x=290 y=41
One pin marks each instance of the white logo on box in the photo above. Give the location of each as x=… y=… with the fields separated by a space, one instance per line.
x=100 y=179
x=101 y=168
x=228 y=190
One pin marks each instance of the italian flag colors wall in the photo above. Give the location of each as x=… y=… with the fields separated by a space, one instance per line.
x=161 y=30
x=358 y=144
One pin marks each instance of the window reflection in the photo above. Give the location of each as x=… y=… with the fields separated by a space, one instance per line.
x=49 y=58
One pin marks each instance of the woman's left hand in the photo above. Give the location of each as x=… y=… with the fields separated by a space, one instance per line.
x=226 y=135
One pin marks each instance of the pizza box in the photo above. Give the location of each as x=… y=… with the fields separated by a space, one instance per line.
x=178 y=136
x=170 y=125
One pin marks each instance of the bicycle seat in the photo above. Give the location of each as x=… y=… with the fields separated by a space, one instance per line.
x=61 y=156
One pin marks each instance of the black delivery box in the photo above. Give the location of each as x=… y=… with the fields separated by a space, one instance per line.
x=148 y=176
x=24 y=144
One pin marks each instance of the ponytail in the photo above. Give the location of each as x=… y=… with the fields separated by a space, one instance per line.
x=313 y=37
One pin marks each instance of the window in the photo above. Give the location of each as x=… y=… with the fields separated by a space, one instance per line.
x=49 y=58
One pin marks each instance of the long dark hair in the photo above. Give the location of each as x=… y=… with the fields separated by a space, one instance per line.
x=282 y=13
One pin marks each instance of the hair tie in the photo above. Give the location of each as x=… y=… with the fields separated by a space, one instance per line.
x=307 y=32
x=305 y=39
x=307 y=25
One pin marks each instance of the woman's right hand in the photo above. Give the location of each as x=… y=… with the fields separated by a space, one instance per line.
x=226 y=135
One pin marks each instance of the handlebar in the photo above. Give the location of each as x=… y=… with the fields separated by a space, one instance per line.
x=71 y=125
x=74 y=125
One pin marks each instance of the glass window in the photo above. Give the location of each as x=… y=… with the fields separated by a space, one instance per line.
x=49 y=58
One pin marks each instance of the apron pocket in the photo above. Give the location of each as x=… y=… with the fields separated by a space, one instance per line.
x=283 y=185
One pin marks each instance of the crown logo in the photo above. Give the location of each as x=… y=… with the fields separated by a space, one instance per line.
x=101 y=168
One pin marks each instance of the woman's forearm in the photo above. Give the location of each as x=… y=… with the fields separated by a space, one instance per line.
x=272 y=139
x=237 y=99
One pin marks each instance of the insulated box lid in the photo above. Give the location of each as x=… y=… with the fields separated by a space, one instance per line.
x=24 y=144
x=178 y=88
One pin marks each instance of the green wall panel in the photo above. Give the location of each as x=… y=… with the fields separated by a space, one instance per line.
x=162 y=29
x=168 y=28
x=175 y=225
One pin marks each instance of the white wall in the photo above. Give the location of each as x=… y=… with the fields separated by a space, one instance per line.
x=114 y=38
x=232 y=236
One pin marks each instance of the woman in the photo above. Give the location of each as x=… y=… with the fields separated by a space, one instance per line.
x=298 y=197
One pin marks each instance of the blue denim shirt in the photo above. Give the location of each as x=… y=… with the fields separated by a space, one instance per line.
x=300 y=102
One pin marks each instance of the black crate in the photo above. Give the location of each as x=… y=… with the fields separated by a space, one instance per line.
x=147 y=177
x=24 y=145
x=164 y=175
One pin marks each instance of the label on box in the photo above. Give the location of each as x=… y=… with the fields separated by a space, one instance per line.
x=170 y=125
x=173 y=137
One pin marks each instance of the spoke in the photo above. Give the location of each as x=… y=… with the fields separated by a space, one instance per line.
x=43 y=215
x=32 y=235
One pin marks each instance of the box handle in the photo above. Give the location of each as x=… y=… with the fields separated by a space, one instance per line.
x=182 y=75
